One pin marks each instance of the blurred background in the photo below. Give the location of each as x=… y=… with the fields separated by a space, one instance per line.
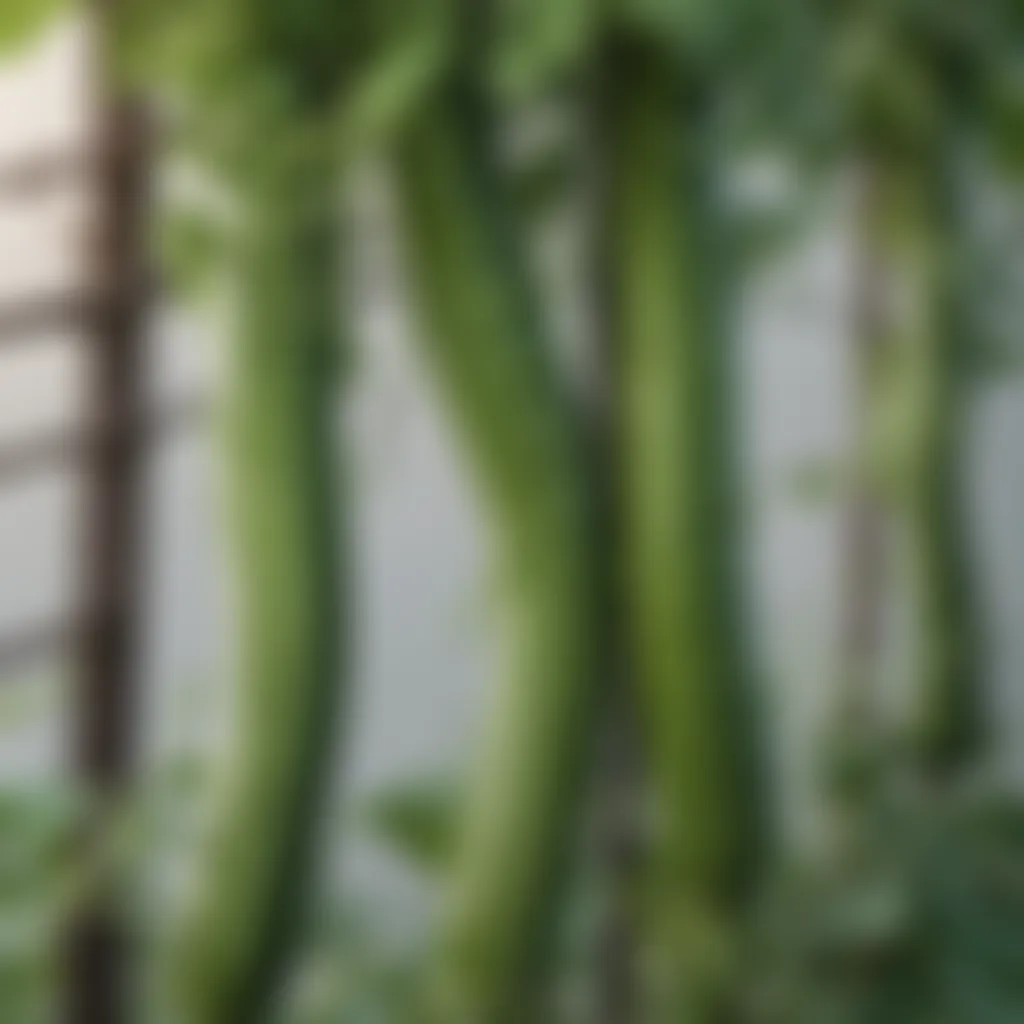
x=424 y=654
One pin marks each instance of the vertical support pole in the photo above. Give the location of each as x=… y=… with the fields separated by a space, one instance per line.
x=107 y=670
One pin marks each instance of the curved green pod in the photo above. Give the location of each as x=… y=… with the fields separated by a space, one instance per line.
x=926 y=432
x=685 y=627
x=484 y=343
x=228 y=952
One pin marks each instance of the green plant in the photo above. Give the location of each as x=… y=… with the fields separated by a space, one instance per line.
x=22 y=21
x=490 y=356
x=35 y=882
x=927 y=375
x=685 y=628
x=283 y=461
x=912 y=911
x=677 y=477
x=253 y=90
x=915 y=99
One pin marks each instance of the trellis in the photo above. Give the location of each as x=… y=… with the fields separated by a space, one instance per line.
x=100 y=632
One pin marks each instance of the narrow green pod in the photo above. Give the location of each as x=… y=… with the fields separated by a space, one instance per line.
x=489 y=355
x=926 y=431
x=227 y=956
x=679 y=523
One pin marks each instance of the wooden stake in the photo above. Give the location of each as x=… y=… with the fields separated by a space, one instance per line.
x=107 y=679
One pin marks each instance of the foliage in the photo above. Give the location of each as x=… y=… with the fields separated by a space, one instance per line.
x=21 y=22
x=913 y=912
x=417 y=822
x=323 y=77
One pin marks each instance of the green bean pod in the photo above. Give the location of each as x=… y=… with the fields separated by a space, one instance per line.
x=927 y=404
x=489 y=355
x=685 y=627
x=228 y=953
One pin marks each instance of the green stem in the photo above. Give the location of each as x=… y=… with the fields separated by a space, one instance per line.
x=493 y=367
x=230 y=950
x=680 y=527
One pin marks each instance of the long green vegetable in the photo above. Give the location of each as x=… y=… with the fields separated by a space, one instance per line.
x=686 y=634
x=486 y=347
x=915 y=86
x=913 y=152
x=927 y=401
x=254 y=89
x=227 y=955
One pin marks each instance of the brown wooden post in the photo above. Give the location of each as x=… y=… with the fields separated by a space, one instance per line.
x=107 y=677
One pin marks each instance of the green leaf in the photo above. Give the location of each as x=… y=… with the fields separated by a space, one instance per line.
x=541 y=42
x=190 y=251
x=544 y=182
x=417 y=821
x=380 y=102
x=21 y=22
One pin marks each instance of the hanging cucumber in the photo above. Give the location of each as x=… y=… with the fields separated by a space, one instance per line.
x=686 y=632
x=282 y=466
x=915 y=151
x=914 y=93
x=489 y=356
x=927 y=399
x=253 y=90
